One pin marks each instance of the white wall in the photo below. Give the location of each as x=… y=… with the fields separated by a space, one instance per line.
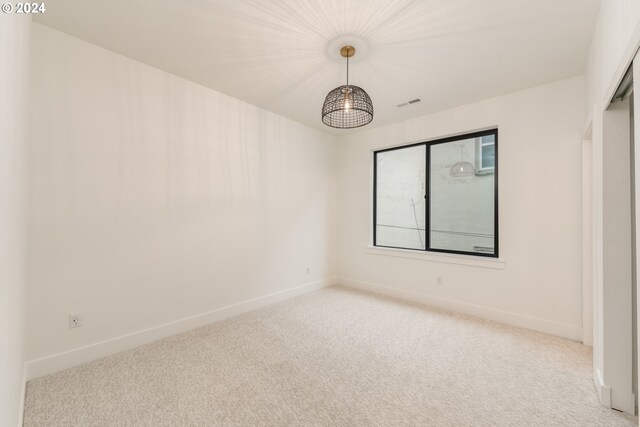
x=14 y=73
x=615 y=40
x=539 y=283
x=616 y=27
x=153 y=199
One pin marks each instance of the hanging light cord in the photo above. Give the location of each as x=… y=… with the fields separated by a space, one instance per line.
x=348 y=51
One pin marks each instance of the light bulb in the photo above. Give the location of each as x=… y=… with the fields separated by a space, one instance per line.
x=347 y=104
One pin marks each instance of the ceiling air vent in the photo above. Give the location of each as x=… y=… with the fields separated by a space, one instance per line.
x=413 y=101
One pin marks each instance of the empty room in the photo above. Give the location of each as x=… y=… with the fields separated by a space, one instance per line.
x=319 y=212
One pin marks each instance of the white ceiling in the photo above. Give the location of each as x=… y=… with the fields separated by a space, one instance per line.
x=282 y=55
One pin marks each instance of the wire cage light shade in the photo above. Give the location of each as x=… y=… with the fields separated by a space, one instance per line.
x=462 y=169
x=347 y=107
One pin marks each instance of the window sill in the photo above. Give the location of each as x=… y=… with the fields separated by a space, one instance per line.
x=469 y=260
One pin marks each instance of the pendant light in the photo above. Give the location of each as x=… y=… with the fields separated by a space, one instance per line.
x=347 y=106
x=462 y=168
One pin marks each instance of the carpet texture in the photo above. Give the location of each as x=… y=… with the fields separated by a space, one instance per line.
x=333 y=357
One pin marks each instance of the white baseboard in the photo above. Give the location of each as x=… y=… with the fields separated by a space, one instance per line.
x=23 y=393
x=511 y=318
x=625 y=401
x=57 y=362
x=604 y=392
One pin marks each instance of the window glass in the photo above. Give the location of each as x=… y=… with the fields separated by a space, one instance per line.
x=447 y=187
x=461 y=208
x=400 y=203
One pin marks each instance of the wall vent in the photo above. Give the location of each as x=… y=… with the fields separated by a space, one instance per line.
x=413 y=101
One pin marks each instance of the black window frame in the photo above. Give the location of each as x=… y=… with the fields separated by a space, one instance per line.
x=428 y=144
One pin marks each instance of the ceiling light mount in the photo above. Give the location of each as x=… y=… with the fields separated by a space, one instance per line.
x=347 y=106
x=333 y=49
x=347 y=51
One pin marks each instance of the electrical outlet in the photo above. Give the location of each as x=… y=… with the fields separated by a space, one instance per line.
x=75 y=320
x=440 y=281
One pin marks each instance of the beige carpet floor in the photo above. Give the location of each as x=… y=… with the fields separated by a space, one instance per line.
x=333 y=357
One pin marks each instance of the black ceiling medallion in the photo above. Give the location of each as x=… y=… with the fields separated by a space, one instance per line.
x=347 y=106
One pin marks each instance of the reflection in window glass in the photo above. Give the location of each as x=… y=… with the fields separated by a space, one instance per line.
x=400 y=202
